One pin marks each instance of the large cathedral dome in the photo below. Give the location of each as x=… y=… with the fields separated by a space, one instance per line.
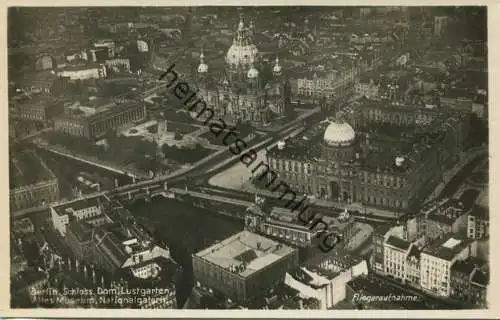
x=242 y=53
x=339 y=134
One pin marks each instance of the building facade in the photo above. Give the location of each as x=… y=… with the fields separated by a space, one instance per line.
x=118 y=64
x=449 y=216
x=84 y=72
x=242 y=266
x=436 y=262
x=39 y=110
x=80 y=209
x=440 y=25
x=327 y=283
x=413 y=271
x=369 y=167
x=479 y=288
x=34 y=194
x=469 y=283
x=283 y=225
x=102 y=232
x=330 y=85
x=396 y=255
x=478 y=223
x=96 y=124
x=367 y=89
x=26 y=192
x=44 y=62
x=379 y=236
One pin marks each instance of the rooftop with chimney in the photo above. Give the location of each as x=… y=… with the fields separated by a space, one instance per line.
x=245 y=253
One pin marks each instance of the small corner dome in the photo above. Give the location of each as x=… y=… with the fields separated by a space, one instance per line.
x=277 y=68
x=281 y=145
x=202 y=68
x=253 y=73
x=339 y=134
x=399 y=161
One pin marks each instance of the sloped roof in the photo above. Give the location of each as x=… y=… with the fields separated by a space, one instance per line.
x=398 y=243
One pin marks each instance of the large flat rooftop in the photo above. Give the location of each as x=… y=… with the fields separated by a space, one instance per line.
x=26 y=168
x=245 y=247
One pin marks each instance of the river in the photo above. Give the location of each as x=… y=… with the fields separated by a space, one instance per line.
x=186 y=230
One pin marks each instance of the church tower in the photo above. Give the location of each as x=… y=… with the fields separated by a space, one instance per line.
x=202 y=67
x=202 y=75
x=277 y=68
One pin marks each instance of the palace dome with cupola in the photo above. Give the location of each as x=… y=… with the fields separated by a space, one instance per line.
x=339 y=134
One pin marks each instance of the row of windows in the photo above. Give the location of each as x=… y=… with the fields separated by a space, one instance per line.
x=67 y=124
x=218 y=276
x=298 y=188
x=388 y=182
x=337 y=89
x=117 y=120
x=394 y=272
x=298 y=167
x=395 y=266
x=436 y=270
x=394 y=254
x=29 y=198
x=289 y=234
x=436 y=282
x=381 y=178
x=387 y=202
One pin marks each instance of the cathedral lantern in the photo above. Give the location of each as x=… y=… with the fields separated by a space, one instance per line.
x=277 y=68
x=203 y=67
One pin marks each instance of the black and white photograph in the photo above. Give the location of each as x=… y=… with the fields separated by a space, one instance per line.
x=248 y=157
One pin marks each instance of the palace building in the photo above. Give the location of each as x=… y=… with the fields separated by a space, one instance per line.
x=391 y=166
x=242 y=93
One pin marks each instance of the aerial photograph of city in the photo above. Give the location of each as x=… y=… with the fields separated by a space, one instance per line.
x=249 y=158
